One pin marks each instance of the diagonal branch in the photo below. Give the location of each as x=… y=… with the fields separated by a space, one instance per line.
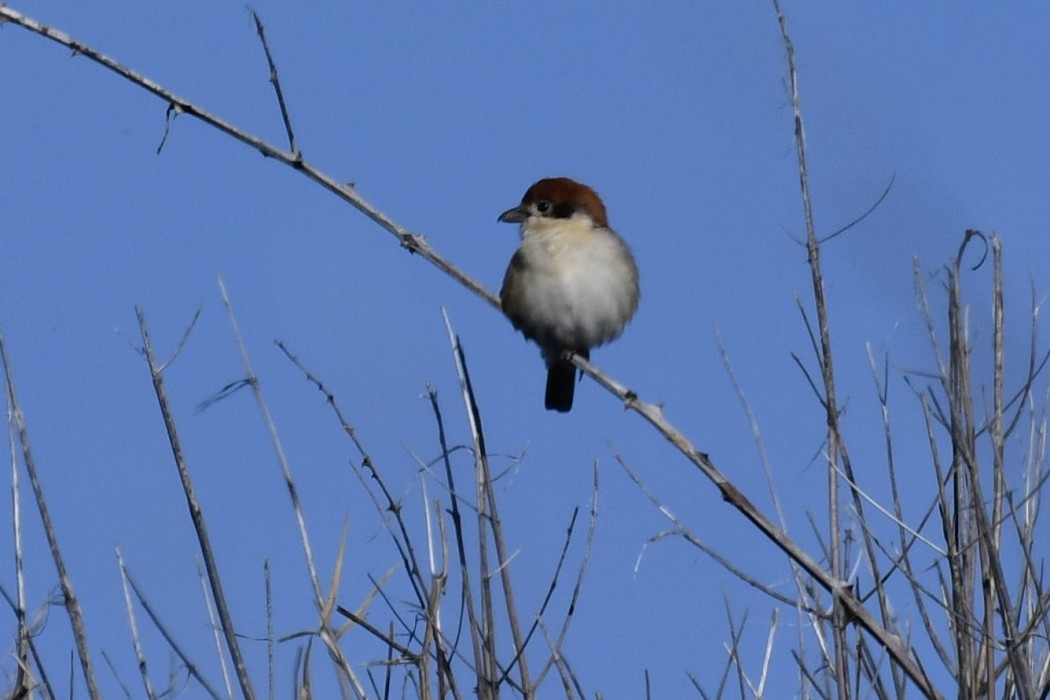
x=196 y=513
x=414 y=243
x=649 y=412
x=275 y=80
x=840 y=589
x=72 y=603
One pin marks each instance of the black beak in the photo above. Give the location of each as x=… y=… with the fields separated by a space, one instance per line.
x=514 y=216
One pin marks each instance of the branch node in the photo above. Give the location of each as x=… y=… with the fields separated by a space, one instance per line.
x=412 y=242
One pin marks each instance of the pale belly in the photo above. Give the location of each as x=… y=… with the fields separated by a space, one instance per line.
x=578 y=295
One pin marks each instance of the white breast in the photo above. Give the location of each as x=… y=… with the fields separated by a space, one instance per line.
x=580 y=286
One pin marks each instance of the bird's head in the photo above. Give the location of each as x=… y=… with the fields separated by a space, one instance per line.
x=558 y=198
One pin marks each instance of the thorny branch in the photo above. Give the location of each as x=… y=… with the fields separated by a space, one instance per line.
x=831 y=581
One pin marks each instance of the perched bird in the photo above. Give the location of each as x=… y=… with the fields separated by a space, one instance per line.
x=572 y=284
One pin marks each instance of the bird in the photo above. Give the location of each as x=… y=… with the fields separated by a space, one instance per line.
x=572 y=284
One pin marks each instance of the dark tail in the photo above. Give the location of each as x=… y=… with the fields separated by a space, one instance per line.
x=561 y=384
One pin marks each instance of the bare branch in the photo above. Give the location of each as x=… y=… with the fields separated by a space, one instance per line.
x=487 y=497
x=275 y=80
x=72 y=604
x=863 y=216
x=196 y=513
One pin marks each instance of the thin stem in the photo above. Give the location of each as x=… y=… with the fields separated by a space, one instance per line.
x=69 y=596
x=196 y=513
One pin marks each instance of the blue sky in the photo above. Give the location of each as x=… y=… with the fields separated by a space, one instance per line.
x=442 y=115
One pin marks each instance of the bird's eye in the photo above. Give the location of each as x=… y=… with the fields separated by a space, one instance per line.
x=543 y=206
